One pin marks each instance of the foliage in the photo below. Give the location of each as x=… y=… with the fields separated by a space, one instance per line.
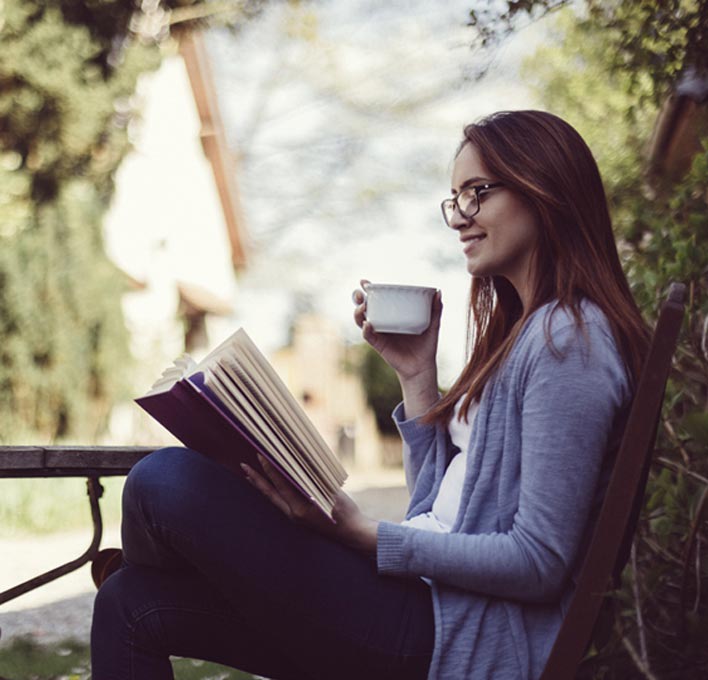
x=381 y=385
x=576 y=83
x=68 y=70
x=664 y=616
x=662 y=623
x=36 y=507
x=62 y=335
x=656 y=39
x=24 y=658
x=670 y=574
x=649 y=38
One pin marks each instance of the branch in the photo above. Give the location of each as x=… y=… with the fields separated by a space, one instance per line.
x=665 y=462
x=638 y=606
x=492 y=29
x=695 y=526
x=697 y=601
x=652 y=545
x=646 y=672
x=672 y=433
x=495 y=27
x=205 y=10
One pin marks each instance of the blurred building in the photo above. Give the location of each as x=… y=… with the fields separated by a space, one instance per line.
x=176 y=229
x=317 y=367
x=682 y=123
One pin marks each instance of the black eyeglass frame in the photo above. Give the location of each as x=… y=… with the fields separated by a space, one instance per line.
x=454 y=200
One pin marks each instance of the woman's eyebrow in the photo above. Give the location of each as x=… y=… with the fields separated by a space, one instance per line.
x=471 y=182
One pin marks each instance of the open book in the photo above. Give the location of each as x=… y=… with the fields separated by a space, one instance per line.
x=232 y=405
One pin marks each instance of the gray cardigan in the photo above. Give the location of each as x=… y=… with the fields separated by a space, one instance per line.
x=503 y=577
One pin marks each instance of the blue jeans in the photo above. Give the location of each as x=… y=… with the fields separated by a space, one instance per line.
x=212 y=570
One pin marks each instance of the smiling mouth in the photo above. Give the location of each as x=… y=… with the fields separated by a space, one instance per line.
x=472 y=241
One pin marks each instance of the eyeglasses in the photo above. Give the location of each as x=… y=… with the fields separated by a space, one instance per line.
x=467 y=201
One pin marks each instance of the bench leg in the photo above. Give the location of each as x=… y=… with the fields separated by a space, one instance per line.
x=95 y=491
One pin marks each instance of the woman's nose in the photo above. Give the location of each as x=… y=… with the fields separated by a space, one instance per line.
x=458 y=220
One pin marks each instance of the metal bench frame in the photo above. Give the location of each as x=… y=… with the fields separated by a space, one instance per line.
x=91 y=462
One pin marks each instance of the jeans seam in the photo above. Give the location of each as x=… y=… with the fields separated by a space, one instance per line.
x=153 y=608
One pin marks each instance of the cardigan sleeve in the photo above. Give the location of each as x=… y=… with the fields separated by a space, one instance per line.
x=418 y=439
x=568 y=407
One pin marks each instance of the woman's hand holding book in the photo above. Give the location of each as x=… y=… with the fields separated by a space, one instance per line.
x=350 y=525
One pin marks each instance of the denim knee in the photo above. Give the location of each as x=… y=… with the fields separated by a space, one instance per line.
x=126 y=627
x=111 y=611
x=148 y=472
x=160 y=476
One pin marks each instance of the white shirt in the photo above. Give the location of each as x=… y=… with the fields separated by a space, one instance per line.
x=447 y=503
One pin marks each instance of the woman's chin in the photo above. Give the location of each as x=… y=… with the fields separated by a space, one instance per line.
x=477 y=269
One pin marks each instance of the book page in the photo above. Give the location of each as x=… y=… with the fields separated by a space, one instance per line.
x=266 y=372
x=241 y=383
x=182 y=366
x=262 y=427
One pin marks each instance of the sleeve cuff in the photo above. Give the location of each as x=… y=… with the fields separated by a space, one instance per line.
x=411 y=430
x=390 y=552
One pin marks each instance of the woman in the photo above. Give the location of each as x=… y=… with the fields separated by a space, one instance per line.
x=505 y=471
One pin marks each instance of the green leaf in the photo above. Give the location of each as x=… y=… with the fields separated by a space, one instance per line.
x=695 y=425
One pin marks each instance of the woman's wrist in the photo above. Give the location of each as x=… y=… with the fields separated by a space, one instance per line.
x=364 y=536
x=420 y=392
x=421 y=381
x=369 y=536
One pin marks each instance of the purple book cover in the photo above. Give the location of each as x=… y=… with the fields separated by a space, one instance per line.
x=196 y=416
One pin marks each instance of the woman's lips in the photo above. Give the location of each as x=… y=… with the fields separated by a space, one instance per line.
x=472 y=242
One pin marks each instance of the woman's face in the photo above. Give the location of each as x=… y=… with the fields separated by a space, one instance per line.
x=500 y=239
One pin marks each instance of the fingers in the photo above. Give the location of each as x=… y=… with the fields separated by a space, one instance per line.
x=282 y=486
x=437 y=309
x=368 y=333
x=359 y=299
x=266 y=488
x=298 y=508
x=358 y=295
x=360 y=314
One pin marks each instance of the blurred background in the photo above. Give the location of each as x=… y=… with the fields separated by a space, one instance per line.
x=170 y=171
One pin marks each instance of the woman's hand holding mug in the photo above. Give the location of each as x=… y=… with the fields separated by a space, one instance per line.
x=412 y=356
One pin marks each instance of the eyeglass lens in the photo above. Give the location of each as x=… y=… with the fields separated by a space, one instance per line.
x=466 y=202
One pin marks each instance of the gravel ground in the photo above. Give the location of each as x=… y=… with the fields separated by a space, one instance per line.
x=62 y=609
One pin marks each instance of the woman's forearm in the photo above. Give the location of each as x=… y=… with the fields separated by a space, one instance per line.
x=420 y=392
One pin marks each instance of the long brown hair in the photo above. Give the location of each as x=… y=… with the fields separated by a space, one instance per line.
x=547 y=162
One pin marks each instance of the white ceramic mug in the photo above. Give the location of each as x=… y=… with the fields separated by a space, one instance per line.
x=395 y=308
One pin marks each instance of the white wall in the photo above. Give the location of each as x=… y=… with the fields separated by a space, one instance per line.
x=165 y=225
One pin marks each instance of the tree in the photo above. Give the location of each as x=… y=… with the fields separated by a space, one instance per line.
x=381 y=386
x=68 y=71
x=655 y=39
